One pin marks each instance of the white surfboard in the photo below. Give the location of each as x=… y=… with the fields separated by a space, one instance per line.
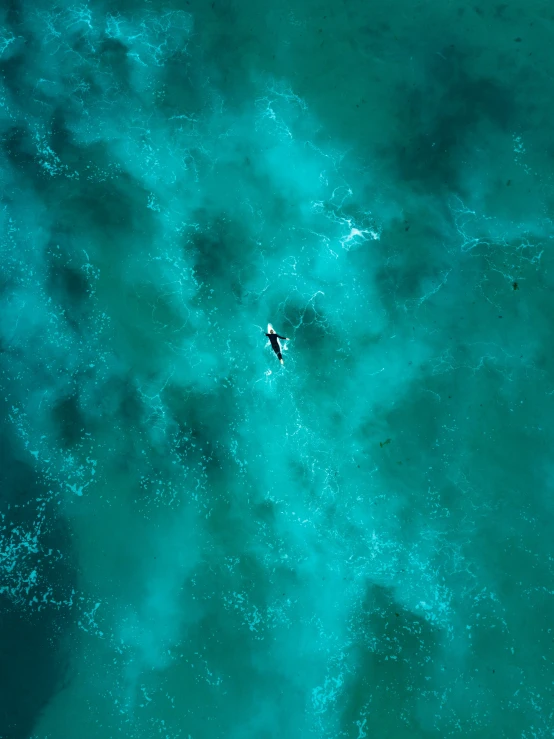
x=269 y=329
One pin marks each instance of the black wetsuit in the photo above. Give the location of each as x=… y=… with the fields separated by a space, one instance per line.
x=275 y=344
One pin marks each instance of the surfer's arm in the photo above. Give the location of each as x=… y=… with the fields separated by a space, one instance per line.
x=283 y=337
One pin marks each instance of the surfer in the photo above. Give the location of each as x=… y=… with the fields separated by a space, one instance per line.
x=274 y=338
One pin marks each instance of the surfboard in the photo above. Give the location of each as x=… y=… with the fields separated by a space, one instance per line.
x=269 y=327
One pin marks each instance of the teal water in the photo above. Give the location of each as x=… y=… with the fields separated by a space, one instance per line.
x=198 y=543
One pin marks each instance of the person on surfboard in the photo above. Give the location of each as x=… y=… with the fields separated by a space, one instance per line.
x=273 y=337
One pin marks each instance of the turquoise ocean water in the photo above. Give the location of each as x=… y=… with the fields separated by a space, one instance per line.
x=198 y=543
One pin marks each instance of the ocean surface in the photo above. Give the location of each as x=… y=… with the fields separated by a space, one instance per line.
x=200 y=543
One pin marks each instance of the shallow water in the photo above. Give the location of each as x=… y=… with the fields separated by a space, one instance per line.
x=198 y=543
